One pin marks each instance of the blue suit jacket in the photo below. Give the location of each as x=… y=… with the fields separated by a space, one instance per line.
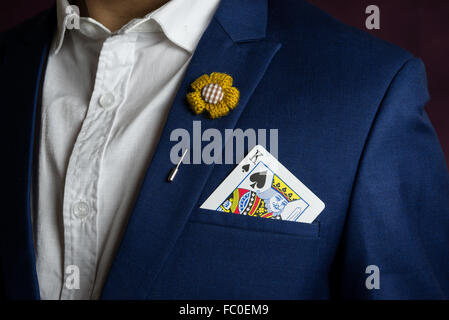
x=352 y=127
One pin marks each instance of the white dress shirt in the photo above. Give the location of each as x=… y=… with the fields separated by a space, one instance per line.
x=105 y=99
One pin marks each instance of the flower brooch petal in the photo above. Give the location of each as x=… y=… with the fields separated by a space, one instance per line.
x=213 y=93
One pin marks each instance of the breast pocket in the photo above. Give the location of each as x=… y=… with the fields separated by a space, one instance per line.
x=229 y=256
x=255 y=224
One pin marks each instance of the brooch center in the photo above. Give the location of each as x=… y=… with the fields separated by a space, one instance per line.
x=212 y=93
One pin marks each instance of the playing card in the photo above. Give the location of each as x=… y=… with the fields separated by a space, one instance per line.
x=261 y=186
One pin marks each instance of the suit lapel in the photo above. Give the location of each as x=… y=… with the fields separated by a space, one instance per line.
x=162 y=209
x=24 y=64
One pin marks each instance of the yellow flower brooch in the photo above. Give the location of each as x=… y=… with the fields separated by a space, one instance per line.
x=213 y=93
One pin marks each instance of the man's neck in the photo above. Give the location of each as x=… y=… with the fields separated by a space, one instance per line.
x=113 y=14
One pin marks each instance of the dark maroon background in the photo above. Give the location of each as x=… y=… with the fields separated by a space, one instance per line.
x=420 y=26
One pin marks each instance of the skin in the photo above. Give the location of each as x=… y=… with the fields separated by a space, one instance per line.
x=113 y=14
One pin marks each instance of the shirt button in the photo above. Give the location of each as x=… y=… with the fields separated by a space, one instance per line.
x=81 y=210
x=107 y=100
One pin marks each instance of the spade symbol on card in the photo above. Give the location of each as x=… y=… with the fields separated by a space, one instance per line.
x=259 y=179
x=245 y=168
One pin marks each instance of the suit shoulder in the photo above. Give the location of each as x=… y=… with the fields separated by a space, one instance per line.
x=302 y=26
x=25 y=30
x=25 y=27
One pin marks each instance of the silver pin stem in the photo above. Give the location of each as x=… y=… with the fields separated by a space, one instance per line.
x=174 y=171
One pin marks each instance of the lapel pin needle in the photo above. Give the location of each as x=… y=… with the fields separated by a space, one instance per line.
x=174 y=171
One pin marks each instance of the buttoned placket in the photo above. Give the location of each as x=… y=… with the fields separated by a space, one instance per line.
x=81 y=207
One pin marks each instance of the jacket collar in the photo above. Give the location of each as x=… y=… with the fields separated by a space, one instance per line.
x=243 y=20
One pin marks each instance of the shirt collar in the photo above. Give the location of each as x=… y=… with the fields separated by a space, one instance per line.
x=182 y=21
